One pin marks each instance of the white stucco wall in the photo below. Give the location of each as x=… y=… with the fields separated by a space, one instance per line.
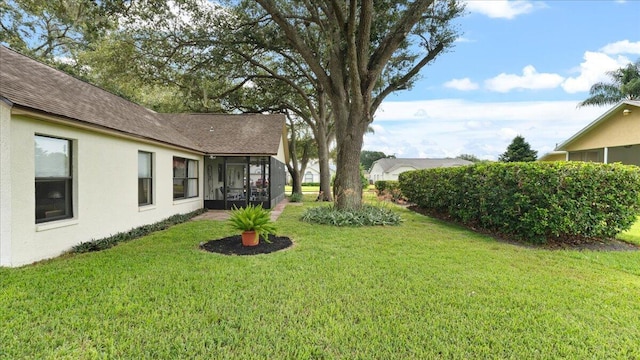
x=105 y=191
x=5 y=183
x=281 y=156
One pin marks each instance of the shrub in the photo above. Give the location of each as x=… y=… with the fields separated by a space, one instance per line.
x=295 y=197
x=383 y=185
x=533 y=201
x=113 y=240
x=367 y=215
x=390 y=190
x=310 y=184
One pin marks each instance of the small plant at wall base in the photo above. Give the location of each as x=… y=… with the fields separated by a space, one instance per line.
x=254 y=222
x=113 y=240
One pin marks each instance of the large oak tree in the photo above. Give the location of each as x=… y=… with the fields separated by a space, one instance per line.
x=369 y=49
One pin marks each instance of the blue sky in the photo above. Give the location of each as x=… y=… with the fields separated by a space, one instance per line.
x=519 y=68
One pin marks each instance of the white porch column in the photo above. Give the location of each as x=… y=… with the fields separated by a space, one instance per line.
x=606 y=155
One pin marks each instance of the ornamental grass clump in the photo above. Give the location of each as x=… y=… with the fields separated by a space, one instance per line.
x=367 y=215
x=253 y=218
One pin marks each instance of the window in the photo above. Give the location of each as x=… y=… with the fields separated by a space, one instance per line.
x=53 y=178
x=185 y=178
x=145 y=178
x=308 y=177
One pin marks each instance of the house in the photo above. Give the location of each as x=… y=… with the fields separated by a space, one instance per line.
x=389 y=168
x=612 y=137
x=78 y=163
x=312 y=172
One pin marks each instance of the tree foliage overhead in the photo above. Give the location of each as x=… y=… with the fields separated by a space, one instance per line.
x=54 y=28
x=519 y=150
x=624 y=85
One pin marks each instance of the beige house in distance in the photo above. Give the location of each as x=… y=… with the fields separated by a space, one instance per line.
x=613 y=137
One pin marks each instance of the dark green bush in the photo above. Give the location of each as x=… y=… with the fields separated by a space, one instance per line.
x=310 y=184
x=390 y=190
x=367 y=215
x=384 y=185
x=295 y=197
x=533 y=201
x=105 y=243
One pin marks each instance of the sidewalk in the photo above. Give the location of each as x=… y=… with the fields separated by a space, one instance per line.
x=221 y=215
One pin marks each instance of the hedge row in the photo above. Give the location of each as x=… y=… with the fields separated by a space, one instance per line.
x=113 y=240
x=535 y=201
x=387 y=185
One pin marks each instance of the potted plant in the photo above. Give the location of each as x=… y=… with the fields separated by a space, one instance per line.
x=254 y=222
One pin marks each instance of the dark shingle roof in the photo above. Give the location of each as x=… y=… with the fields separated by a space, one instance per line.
x=29 y=84
x=226 y=134
x=389 y=164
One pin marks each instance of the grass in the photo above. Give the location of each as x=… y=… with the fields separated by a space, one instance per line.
x=305 y=189
x=632 y=235
x=424 y=289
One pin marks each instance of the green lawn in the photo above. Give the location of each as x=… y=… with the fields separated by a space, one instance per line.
x=632 y=235
x=422 y=290
x=305 y=189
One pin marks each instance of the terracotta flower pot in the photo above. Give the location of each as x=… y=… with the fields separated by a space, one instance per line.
x=250 y=238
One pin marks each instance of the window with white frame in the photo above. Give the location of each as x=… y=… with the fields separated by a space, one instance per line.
x=145 y=178
x=308 y=177
x=185 y=178
x=53 y=179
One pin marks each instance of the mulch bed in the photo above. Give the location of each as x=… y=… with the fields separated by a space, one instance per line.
x=560 y=244
x=232 y=245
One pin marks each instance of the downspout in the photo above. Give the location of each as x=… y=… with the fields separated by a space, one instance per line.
x=606 y=155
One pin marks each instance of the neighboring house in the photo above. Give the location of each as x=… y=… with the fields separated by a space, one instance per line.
x=613 y=137
x=312 y=172
x=78 y=163
x=389 y=168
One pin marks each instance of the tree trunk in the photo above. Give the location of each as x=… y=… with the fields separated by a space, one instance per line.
x=322 y=139
x=348 y=187
x=296 y=183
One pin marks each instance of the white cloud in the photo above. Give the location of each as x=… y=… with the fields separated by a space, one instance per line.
x=530 y=79
x=456 y=126
x=463 y=39
x=622 y=47
x=462 y=84
x=592 y=70
x=503 y=9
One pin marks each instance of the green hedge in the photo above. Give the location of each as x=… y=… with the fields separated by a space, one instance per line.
x=387 y=185
x=534 y=201
x=310 y=184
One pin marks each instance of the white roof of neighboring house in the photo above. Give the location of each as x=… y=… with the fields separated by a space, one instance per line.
x=389 y=164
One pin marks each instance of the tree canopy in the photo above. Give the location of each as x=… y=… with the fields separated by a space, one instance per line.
x=624 y=85
x=367 y=158
x=518 y=150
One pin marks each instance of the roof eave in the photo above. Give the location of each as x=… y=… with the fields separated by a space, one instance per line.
x=65 y=120
x=608 y=114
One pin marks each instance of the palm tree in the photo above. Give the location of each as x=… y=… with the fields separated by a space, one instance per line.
x=625 y=85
